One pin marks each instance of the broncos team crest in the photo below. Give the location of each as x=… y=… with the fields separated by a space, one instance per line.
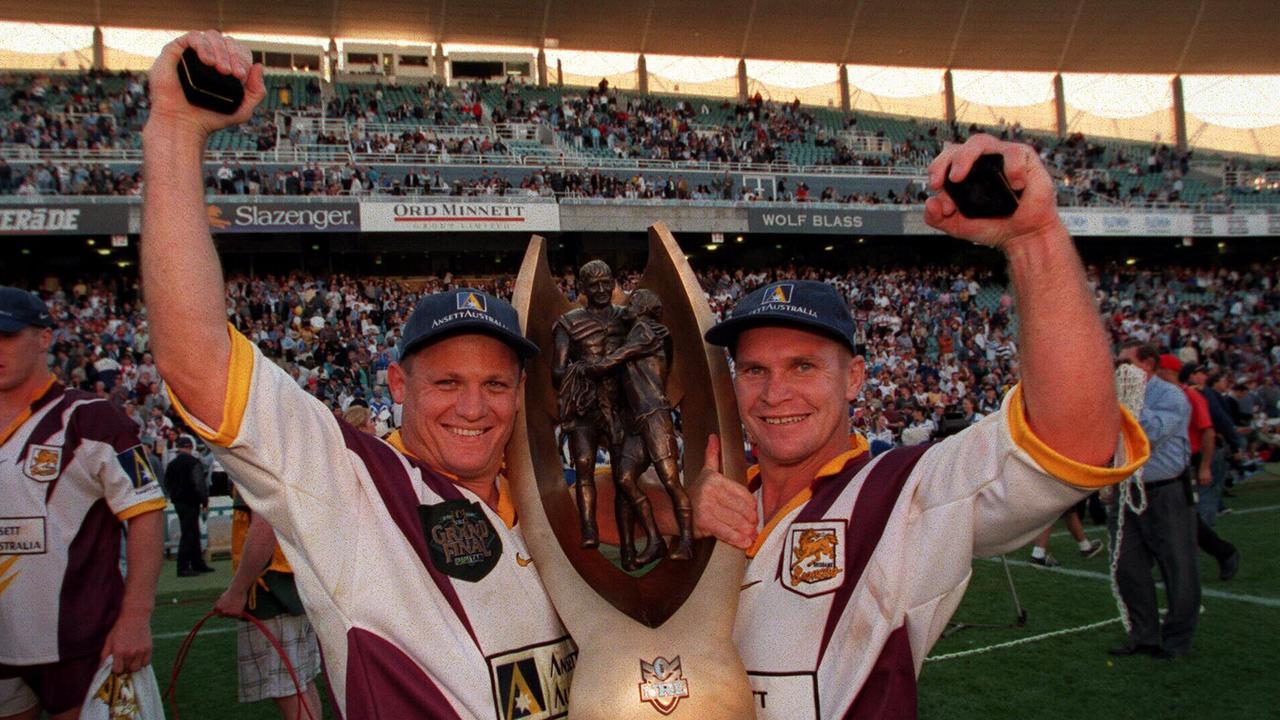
x=815 y=557
x=44 y=463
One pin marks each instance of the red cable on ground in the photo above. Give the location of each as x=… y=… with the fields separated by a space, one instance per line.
x=181 y=658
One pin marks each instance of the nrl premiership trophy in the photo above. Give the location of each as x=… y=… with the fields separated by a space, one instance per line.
x=654 y=631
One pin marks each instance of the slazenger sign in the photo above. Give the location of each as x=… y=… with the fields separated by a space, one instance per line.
x=227 y=217
x=70 y=219
x=461 y=216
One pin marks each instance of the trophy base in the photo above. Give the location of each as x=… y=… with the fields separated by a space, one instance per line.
x=649 y=678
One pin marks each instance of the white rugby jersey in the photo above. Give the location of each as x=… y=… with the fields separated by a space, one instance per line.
x=424 y=599
x=71 y=471
x=854 y=579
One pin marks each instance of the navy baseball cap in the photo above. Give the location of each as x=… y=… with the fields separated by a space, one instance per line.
x=459 y=311
x=805 y=304
x=20 y=309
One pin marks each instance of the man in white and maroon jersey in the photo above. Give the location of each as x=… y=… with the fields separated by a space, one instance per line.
x=406 y=552
x=73 y=474
x=857 y=564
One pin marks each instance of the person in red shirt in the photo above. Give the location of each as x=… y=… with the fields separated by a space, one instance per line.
x=1200 y=430
x=1203 y=440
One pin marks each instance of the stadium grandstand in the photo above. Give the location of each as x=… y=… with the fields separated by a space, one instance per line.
x=406 y=148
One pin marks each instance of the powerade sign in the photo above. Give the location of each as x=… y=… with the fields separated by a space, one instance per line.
x=278 y=217
x=65 y=219
x=809 y=221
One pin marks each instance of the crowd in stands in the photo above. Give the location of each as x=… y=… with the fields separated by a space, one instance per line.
x=94 y=110
x=68 y=179
x=939 y=343
x=417 y=142
x=436 y=105
x=91 y=110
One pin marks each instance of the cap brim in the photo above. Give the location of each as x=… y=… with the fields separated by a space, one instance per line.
x=10 y=325
x=521 y=345
x=726 y=332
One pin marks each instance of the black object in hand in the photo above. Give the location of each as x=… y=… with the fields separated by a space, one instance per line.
x=985 y=191
x=205 y=87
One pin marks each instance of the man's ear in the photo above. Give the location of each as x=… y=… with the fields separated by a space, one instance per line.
x=857 y=376
x=396 y=381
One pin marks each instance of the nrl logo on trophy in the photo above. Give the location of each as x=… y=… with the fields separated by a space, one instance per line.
x=629 y=379
x=664 y=684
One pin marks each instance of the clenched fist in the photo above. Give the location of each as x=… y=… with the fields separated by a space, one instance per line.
x=1037 y=211
x=170 y=111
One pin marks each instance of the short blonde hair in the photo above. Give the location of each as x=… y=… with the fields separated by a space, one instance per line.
x=357 y=415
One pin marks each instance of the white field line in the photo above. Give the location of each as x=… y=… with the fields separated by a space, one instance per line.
x=183 y=633
x=1022 y=641
x=1206 y=592
x=1096 y=529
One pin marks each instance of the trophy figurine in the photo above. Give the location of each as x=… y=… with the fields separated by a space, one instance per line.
x=655 y=629
x=629 y=415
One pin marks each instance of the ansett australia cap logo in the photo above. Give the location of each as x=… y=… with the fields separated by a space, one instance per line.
x=472 y=301
x=780 y=293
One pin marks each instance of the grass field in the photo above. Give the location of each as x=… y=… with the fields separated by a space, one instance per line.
x=1233 y=671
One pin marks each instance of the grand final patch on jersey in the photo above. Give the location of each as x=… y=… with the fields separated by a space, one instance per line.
x=462 y=541
x=532 y=683
x=134 y=463
x=472 y=301
x=814 y=562
x=663 y=684
x=44 y=462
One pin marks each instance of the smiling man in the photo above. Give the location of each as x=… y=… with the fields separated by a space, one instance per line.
x=404 y=551
x=857 y=564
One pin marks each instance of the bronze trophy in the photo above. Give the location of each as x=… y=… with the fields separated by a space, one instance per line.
x=654 y=639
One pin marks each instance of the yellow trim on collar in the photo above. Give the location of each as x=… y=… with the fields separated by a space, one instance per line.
x=796 y=501
x=25 y=415
x=239 y=379
x=397 y=442
x=858 y=445
x=506 y=508
x=1087 y=477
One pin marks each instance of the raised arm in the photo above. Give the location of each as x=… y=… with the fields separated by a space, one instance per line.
x=181 y=275
x=1065 y=361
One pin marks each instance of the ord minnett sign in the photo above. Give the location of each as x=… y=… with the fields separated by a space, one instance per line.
x=65 y=219
x=463 y=216
x=801 y=220
x=283 y=216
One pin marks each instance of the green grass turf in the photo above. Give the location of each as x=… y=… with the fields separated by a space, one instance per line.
x=1231 y=672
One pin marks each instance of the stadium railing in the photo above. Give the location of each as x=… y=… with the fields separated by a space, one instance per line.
x=331 y=153
x=570 y=198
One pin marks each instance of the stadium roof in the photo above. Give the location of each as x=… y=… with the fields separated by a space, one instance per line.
x=1108 y=36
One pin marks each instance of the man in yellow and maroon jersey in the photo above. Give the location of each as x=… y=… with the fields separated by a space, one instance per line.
x=72 y=474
